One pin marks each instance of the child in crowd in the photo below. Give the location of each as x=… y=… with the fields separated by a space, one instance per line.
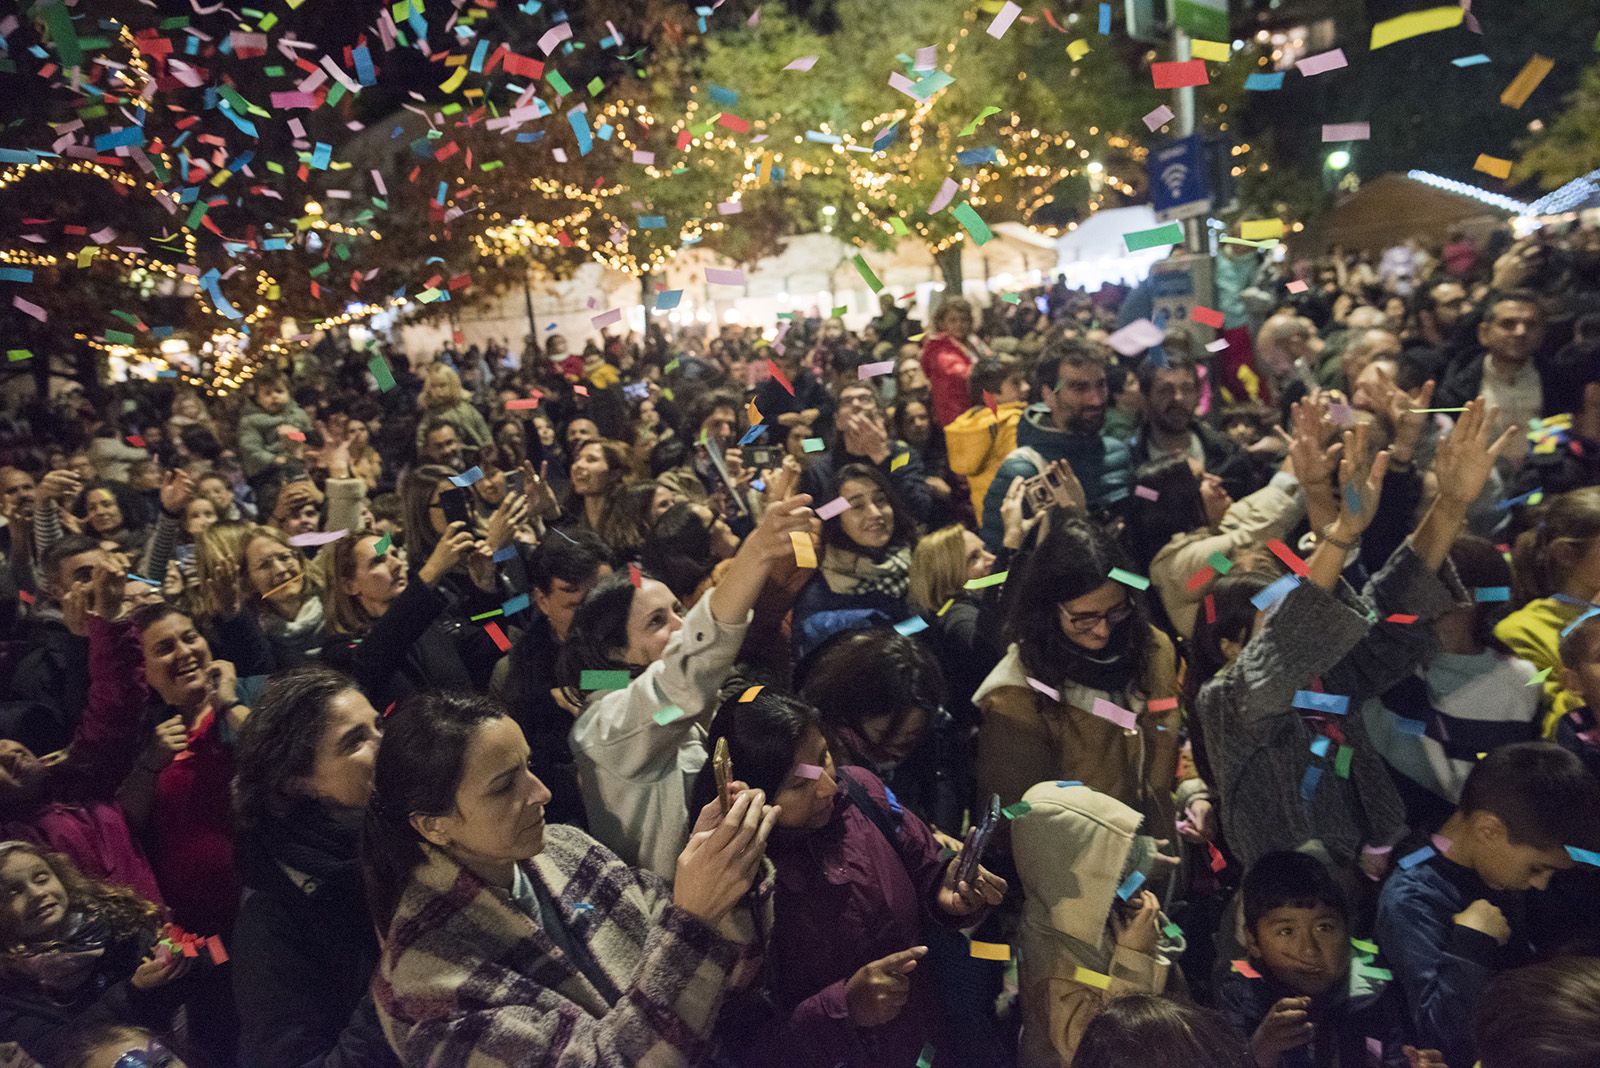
x=271 y=429
x=1455 y=914
x=1297 y=998
x=1580 y=677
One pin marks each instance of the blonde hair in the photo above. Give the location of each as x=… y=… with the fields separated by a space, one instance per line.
x=437 y=372
x=310 y=576
x=341 y=610
x=938 y=567
x=217 y=549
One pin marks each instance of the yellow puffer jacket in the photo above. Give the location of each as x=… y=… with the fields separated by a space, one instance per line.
x=978 y=441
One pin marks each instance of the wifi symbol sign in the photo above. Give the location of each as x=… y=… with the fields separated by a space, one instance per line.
x=1173 y=177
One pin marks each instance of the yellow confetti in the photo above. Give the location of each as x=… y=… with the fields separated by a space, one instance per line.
x=1526 y=81
x=86 y=255
x=805 y=554
x=1260 y=229
x=750 y=694
x=946 y=606
x=1210 y=51
x=900 y=461
x=1415 y=24
x=1493 y=165
x=452 y=83
x=991 y=950
x=1078 y=49
x=1098 y=980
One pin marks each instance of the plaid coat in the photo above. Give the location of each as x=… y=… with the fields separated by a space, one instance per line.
x=467 y=979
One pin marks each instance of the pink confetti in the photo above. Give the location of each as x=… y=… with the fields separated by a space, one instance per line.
x=1346 y=131
x=720 y=277
x=582 y=391
x=903 y=84
x=643 y=157
x=1441 y=843
x=833 y=508
x=873 y=370
x=606 y=318
x=730 y=207
x=1322 y=63
x=804 y=63
x=1002 y=22
x=754 y=18
x=1297 y=286
x=1146 y=493
x=317 y=537
x=1159 y=117
x=28 y=307
x=1218 y=345
x=926 y=58
x=561 y=31
x=1049 y=691
x=808 y=771
x=947 y=191
x=1114 y=713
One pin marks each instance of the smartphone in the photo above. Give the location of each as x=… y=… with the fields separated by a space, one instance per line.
x=977 y=841
x=636 y=391
x=722 y=768
x=1038 y=492
x=514 y=482
x=185 y=554
x=455 y=505
x=762 y=457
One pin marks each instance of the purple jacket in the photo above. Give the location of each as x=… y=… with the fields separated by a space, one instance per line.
x=846 y=897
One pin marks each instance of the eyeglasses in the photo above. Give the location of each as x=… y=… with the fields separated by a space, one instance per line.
x=155 y=1055
x=1084 y=622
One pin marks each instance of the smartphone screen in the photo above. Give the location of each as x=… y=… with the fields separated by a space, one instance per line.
x=454 y=503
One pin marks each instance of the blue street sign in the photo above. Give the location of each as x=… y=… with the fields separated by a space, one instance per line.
x=1179 y=179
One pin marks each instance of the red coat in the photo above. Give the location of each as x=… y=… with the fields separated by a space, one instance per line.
x=948 y=366
x=192 y=830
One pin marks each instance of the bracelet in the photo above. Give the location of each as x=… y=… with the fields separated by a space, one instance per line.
x=1347 y=546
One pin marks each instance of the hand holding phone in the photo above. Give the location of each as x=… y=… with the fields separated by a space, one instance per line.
x=976 y=842
x=722 y=768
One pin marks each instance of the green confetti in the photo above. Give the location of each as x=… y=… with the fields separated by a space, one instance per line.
x=1538 y=678
x=119 y=337
x=670 y=714
x=1011 y=812
x=1170 y=234
x=925 y=1058
x=380 y=371
x=813 y=444
x=492 y=165
x=58 y=25
x=1128 y=578
x=839 y=312
x=487 y=615
x=866 y=273
x=1364 y=946
x=558 y=83
x=987 y=580
x=898 y=225
x=596 y=86
x=14 y=355
x=382 y=546
x=1341 y=762
x=971 y=127
x=967 y=216
x=606 y=680
x=1011 y=298
x=1220 y=563
x=1172 y=930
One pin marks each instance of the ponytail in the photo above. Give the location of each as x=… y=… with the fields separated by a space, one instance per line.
x=1540 y=559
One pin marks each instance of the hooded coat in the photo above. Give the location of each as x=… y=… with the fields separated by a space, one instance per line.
x=1073 y=848
x=978 y=441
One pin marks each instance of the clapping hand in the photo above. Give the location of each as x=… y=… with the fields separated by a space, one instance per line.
x=1466 y=458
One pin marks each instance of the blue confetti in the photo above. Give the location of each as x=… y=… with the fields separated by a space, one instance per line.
x=1105 y=19
x=507 y=553
x=1406 y=725
x=1131 y=884
x=652 y=222
x=725 y=97
x=1470 y=61
x=15 y=274
x=753 y=433
x=1260 y=83
x=1275 y=592
x=1322 y=702
x=1321 y=744
x=1411 y=860
x=580 y=129
x=1491 y=594
x=1584 y=856
x=914 y=625
x=467 y=477
x=516 y=604
x=1308 y=784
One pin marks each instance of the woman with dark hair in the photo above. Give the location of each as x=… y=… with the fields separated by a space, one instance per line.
x=1072 y=698
x=1544 y=1015
x=684 y=547
x=75 y=953
x=110 y=511
x=598 y=469
x=1157 y=1032
x=1472 y=688
x=850 y=863
x=865 y=570
x=628 y=518
x=649 y=675
x=510 y=942
x=882 y=697
x=303 y=947
x=1186 y=518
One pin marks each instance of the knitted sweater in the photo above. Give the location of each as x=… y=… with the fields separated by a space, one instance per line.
x=466 y=978
x=1260 y=745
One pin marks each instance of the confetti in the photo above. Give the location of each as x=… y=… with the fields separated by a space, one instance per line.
x=1275 y=592
x=914 y=625
x=1491 y=594
x=1179 y=74
x=1207 y=316
x=1584 y=856
x=1128 y=578
x=988 y=580
x=1049 y=691
x=1162 y=704
x=1159 y=117
x=667 y=715
x=813 y=444
x=1145 y=493
x=833 y=508
x=1088 y=977
x=873 y=370
x=1346 y=131
x=1114 y=713
x=604 y=680
x=750 y=694
x=317 y=537
x=991 y=950
x=805 y=554
x=497 y=636
x=1002 y=21
x=1170 y=234
x=1400 y=617
x=1415 y=24
x=1493 y=166
x=720 y=277
x=1322 y=62
x=804 y=63
x=1539 y=677
x=808 y=771
x=1526 y=81
x=468 y=477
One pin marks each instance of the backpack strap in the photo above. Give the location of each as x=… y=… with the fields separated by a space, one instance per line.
x=859 y=797
x=1030 y=454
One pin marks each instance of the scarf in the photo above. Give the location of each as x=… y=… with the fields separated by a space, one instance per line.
x=855 y=574
x=1110 y=669
x=306 y=626
x=62 y=965
x=314 y=840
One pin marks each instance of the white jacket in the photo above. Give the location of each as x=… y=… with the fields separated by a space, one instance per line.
x=635 y=773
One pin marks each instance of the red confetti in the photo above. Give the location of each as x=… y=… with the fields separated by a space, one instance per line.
x=24 y=596
x=1179 y=74
x=1400 y=618
x=1218 y=861
x=136 y=441
x=1243 y=968
x=1289 y=558
x=635 y=577
x=1163 y=704
x=219 y=955
x=990 y=401
x=1200 y=578
x=1206 y=316
x=497 y=636
x=1211 y=609
x=777 y=374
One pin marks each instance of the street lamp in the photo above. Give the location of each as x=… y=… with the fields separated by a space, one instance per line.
x=1338 y=159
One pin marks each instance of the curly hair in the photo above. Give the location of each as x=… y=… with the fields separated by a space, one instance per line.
x=126 y=913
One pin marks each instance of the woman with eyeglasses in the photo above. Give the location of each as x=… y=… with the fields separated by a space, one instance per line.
x=1072 y=697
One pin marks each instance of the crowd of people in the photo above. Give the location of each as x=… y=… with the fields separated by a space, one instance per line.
x=989 y=691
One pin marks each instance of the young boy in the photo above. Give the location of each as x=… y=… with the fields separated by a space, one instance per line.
x=1580 y=674
x=1455 y=915
x=272 y=429
x=1308 y=1007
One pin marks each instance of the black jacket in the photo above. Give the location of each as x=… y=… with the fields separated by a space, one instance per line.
x=529 y=676
x=1240 y=472
x=302 y=965
x=1464 y=381
x=42 y=1024
x=1344 y=1019
x=54 y=672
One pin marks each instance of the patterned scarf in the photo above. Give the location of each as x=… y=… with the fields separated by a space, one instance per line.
x=855 y=574
x=61 y=965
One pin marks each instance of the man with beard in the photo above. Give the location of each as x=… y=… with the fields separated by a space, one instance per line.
x=1505 y=371
x=1169 y=428
x=1066 y=424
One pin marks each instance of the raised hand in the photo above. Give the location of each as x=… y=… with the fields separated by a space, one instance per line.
x=1287 y=1026
x=1360 y=482
x=717 y=866
x=169 y=738
x=177 y=489
x=1313 y=461
x=956 y=898
x=456 y=542
x=770 y=539
x=512 y=513
x=1466 y=458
